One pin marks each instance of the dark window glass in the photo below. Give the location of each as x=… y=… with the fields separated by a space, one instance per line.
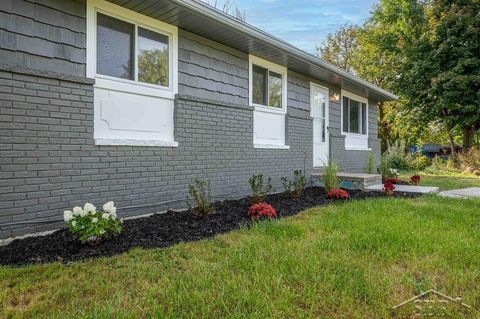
x=259 y=90
x=152 y=57
x=354 y=119
x=275 y=89
x=114 y=47
x=364 y=118
x=345 y=113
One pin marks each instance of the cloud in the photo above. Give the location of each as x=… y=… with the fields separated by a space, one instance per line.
x=307 y=23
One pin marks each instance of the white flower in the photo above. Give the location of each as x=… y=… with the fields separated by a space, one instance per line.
x=78 y=211
x=74 y=223
x=94 y=220
x=67 y=215
x=89 y=208
x=102 y=232
x=109 y=208
x=105 y=216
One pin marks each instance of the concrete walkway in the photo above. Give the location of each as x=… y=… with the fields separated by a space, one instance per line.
x=462 y=193
x=405 y=189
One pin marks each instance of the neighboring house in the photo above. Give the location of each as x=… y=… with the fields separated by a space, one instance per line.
x=129 y=100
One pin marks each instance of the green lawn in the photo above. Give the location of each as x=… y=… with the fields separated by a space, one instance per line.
x=353 y=260
x=445 y=181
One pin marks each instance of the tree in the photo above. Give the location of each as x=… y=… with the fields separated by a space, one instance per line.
x=339 y=47
x=441 y=75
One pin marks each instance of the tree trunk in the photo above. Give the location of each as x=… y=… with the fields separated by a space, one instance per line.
x=451 y=140
x=468 y=135
x=383 y=126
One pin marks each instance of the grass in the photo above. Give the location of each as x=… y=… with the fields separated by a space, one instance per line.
x=353 y=260
x=445 y=180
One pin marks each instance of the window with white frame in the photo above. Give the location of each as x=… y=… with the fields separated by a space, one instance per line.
x=354 y=120
x=133 y=59
x=268 y=94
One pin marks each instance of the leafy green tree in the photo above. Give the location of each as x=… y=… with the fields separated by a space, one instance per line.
x=441 y=74
x=153 y=67
x=339 y=47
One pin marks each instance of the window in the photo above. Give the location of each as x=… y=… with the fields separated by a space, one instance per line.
x=268 y=94
x=268 y=84
x=355 y=121
x=354 y=116
x=117 y=41
x=134 y=61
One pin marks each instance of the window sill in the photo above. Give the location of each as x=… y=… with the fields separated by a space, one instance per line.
x=271 y=146
x=268 y=109
x=357 y=149
x=133 y=142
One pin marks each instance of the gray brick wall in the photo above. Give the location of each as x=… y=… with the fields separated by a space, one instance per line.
x=49 y=161
x=46 y=35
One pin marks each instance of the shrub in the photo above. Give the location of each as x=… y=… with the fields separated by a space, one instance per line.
x=294 y=188
x=259 y=190
x=200 y=201
x=330 y=177
x=389 y=189
x=417 y=161
x=415 y=179
x=337 y=193
x=385 y=167
x=397 y=155
x=470 y=161
x=393 y=180
x=438 y=165
x=262 y=210
x=371 y=163
x=92 y=225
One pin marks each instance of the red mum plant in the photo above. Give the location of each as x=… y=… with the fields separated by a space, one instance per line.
x=262 y=210
x=415 y=179
x=389 y=189
x=392 y=180
x=337 y=193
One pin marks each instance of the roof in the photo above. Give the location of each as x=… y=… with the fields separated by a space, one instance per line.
x=200 y=18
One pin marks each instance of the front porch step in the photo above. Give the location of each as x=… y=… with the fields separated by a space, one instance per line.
x=406 y=189
x=350 y=180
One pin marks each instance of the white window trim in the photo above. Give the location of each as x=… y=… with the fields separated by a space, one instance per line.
x=139 y=20
x=271 y=67
x=349 y=135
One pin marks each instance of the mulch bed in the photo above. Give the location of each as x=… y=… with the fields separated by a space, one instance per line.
x=162 y=230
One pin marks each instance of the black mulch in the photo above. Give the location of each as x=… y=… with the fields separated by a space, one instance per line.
x=161 y=230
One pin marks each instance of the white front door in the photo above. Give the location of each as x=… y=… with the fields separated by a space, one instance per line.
x=319 y=105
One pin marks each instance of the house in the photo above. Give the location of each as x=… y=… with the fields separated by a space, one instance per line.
x=128 y=100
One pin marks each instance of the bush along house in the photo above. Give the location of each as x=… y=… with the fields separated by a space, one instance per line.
x=129 y=100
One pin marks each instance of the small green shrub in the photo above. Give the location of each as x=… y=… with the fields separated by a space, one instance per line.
x=330 y=176
x=385 y=168
x=438 y=165
x=91 y=225
x=417 y=161
x=200 y=200
x=259 y=189
x=397 y=155
x=295 y=188
x=371 y=163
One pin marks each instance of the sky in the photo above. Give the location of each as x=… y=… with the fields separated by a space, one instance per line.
x=305 y=23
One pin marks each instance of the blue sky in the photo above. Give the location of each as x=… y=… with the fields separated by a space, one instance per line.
x=305 y=23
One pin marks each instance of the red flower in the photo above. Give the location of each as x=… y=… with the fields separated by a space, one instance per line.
x=262 y=210
x=337 y=194
x=389 y=189
x=392 y=180
x=415 y=179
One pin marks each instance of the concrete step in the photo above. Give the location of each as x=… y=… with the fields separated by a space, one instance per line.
x=350 y=180
x=406 y=189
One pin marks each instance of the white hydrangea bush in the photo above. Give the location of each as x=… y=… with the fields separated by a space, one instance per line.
x=92 y=225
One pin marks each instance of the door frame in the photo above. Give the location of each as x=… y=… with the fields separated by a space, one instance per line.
x=327 y=122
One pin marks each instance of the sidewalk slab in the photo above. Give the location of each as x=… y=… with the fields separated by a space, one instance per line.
x=462 y=193
x=406 y=189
